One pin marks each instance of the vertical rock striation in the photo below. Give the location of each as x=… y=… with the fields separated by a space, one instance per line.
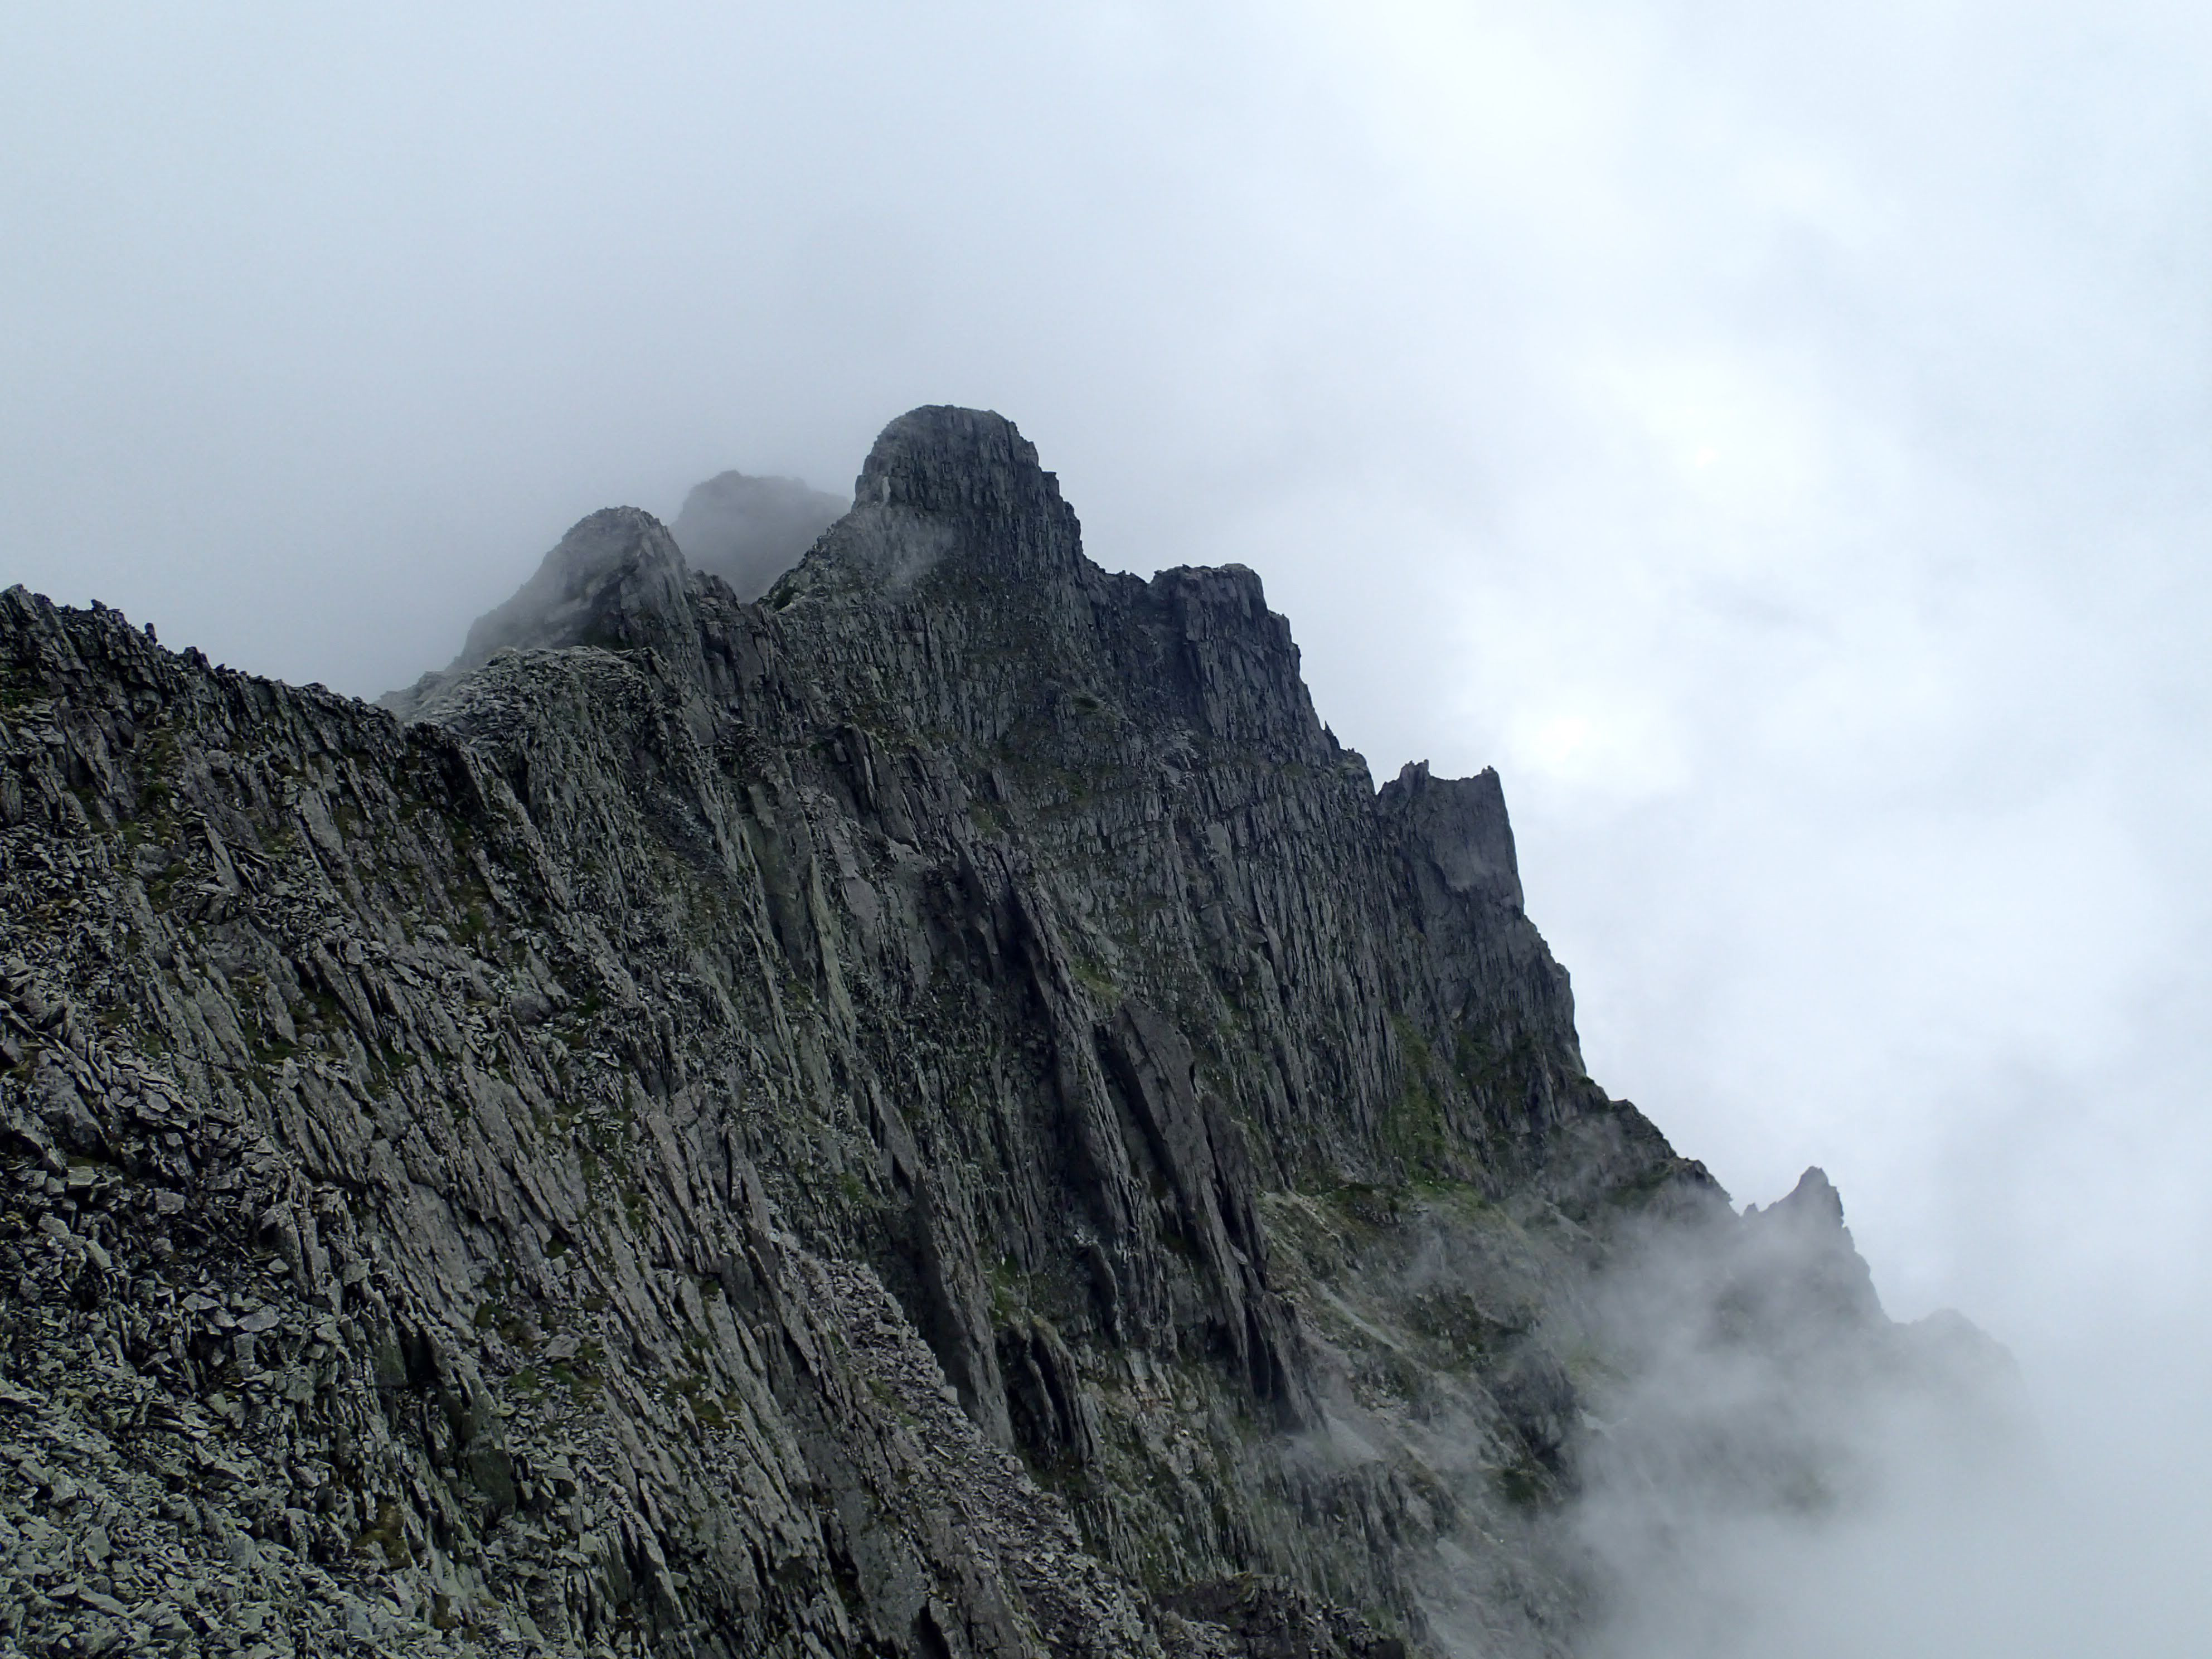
x=937 y=1113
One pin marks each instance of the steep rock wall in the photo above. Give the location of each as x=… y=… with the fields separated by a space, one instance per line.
x=918 y=1116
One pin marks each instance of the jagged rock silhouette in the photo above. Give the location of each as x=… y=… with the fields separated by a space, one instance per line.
x=938 y=1113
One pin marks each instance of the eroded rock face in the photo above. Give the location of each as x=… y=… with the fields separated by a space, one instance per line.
x=939 y=1114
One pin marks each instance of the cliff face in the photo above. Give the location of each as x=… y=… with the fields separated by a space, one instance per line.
x=937 y=1113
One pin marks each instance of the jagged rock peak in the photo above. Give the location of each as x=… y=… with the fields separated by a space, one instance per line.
x=1809 y=1258
x=1814 y=1197
x=1461 y=824
x=921 y=1123
x=748 y=530
x=944 y=481
x=943 y=459
x=617 y=578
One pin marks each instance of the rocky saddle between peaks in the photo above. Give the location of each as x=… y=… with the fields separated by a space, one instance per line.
x=936 y=1114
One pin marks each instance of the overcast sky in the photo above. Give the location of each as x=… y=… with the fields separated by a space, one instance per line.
x=1775 y=436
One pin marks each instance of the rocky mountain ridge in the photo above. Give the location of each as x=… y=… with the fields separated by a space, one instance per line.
x=937 y=1113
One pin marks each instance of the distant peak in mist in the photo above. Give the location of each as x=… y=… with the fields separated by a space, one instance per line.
x=746 y=531
x=749 y=530
x=1814 y=1195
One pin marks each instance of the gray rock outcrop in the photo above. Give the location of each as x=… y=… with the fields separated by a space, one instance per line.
x=617 y=579
x=938 y=1115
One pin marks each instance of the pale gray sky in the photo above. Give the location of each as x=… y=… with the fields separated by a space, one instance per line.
x=1776 y=436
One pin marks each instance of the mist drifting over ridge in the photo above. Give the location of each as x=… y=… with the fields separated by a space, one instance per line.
x=1773 y=441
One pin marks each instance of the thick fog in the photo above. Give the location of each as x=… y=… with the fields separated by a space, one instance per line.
x=1777 y=437
x=1766 y=1476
